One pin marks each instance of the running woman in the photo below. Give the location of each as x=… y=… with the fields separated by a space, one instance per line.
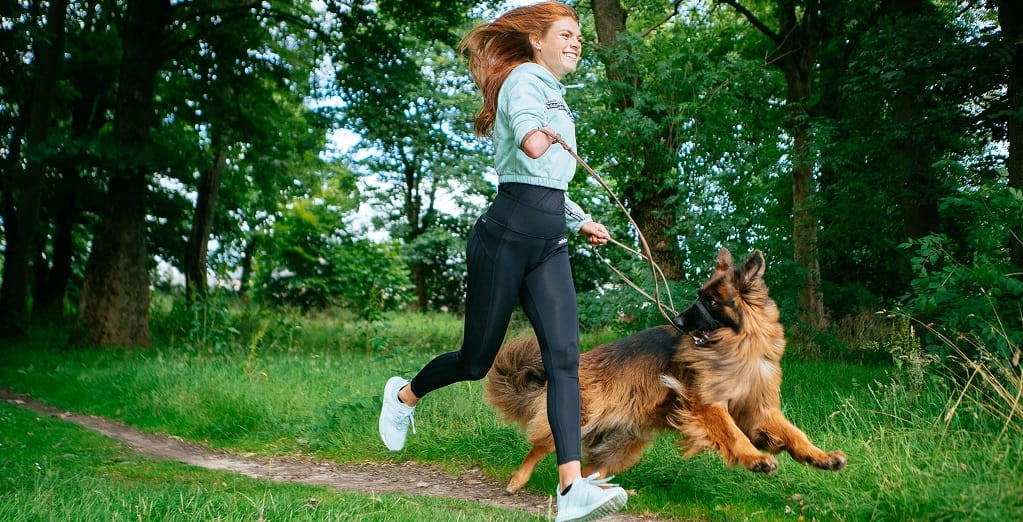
x=518 y=249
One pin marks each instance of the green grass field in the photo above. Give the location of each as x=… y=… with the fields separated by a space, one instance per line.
x=273 y=385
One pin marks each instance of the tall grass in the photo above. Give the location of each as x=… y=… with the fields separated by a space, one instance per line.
x=927 y=440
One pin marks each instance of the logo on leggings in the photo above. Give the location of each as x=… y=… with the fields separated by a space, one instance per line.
x=563 y=240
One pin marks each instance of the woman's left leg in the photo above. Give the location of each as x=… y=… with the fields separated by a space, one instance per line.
x=549 y=300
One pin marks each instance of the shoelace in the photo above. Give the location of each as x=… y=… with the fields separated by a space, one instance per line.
x=411 y=420
x=592 y=479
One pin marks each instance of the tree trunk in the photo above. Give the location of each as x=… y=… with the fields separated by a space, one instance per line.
x=68 y=199
x=797 y=62
x=609 y=18
x=804 y=227
x=1010 y=18
x=114 y=305
x=419 y=279
x=202 y=222
x=247 y=255
x=414 y=219
x=918 y=189
x=795 y=55
x=52 y=280
x=27 y=192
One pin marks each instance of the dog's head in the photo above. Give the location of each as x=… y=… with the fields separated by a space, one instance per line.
x=720 y=300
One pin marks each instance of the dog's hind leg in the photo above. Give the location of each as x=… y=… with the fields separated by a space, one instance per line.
x=777 y=433
x=611 y=451
x=540 y=449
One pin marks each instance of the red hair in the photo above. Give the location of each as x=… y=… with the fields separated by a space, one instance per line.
x=495 y=48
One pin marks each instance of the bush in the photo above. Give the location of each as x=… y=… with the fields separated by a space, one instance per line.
x=967 y=286
x=361 y=275
x=978 y=300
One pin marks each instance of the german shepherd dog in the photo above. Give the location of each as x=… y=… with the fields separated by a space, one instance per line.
x=714 y=377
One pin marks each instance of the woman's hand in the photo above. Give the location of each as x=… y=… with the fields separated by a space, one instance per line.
x=595 y=232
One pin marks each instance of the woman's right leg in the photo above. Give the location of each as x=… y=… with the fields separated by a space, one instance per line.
x=492 y=255
x=495 y=260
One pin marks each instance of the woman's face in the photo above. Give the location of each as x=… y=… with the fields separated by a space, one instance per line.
x=559 y=49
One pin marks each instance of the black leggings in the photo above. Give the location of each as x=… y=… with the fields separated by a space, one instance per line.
x=519 y=250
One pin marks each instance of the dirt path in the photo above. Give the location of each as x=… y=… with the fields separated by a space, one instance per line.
x=371 y=477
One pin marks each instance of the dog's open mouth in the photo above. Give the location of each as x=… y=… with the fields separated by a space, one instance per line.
x=701 y=338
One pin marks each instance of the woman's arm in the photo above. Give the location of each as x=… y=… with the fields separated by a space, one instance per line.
x=536 y=142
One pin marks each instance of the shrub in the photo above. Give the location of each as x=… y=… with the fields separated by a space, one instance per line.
x=967 y=285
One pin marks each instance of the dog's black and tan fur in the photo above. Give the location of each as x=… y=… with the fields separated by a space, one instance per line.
x=715 y=378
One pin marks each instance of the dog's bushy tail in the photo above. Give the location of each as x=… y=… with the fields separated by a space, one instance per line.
x=517 y=381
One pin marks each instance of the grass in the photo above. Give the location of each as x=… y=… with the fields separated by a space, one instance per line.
x=311 y=387
x=54 y=470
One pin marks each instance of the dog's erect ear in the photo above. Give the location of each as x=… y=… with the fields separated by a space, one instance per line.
x=753 y=268
x=724 y=261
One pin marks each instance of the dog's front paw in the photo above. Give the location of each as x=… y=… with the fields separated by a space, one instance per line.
x=516 y=482
x=833 y=461
x=762 y=464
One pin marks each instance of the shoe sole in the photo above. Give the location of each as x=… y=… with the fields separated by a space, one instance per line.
x=608 y=508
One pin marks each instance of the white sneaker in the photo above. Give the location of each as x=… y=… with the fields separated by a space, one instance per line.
x=587 y=500
x=395 y=417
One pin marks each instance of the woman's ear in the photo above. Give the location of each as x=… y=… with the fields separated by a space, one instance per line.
x=534 y=41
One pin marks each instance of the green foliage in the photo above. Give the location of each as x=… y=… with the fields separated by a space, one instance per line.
x=681 y=123
x=347 y=408
x=310 y=270
x=623 y=310
x=441 y=253
x=219 y=323
x=912 y=362
x=884 y=157
x=691 y=111
x=970 y=288
x=424 y=168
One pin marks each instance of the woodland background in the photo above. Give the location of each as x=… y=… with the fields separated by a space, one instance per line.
x=319 y=154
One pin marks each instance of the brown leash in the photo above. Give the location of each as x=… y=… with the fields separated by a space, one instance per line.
x=667 y=310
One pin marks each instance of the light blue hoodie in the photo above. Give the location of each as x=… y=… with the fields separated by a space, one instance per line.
x=531 y=98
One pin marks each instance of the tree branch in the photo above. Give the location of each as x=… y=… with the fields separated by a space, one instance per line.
x=257 y=8
x=674 y=12
x=741 y=9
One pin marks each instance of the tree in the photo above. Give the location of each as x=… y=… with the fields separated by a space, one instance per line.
x=796 y=41
x=408 y=99
x=21 y=215
x=803 y=31
x=649 y=188
x=248 y=104
x=144 y=159
x=309 y=260
x=114 y=305
x=1010 y=17
x=420 y=157
x=73 y=194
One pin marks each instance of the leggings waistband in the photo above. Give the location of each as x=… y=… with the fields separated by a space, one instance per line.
x=526 y=219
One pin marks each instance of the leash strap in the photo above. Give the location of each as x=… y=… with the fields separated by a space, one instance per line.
x=655 y=271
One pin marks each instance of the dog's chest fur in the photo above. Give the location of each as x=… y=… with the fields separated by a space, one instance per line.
x=740 y=373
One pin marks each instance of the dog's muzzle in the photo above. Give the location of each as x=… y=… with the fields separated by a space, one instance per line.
x=697 y=320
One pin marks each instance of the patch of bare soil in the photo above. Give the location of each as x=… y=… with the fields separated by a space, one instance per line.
x=371 y=477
